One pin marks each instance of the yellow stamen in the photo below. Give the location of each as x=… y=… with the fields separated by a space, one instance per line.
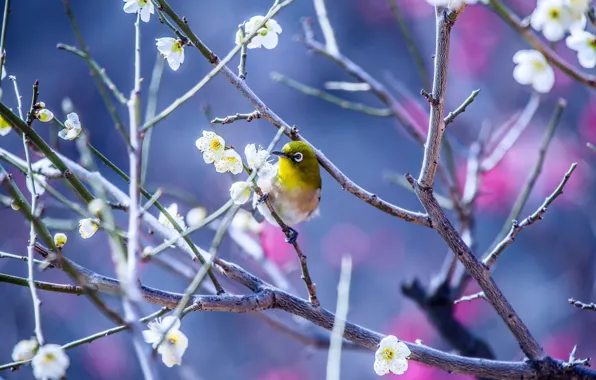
x=388 y=354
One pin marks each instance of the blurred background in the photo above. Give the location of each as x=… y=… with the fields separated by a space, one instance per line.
x=549 y=262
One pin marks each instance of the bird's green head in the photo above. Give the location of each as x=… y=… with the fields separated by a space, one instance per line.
x=298 y=166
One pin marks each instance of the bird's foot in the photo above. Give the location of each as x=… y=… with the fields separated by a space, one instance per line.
x=291 y=236
x=262 y=199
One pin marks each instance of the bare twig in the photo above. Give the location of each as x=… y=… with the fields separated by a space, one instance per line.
x=3 y=35
x=32 y=232
x=243 y=54
x=525 y=194
x=342 y=103
x=96 y=70
x=472 y=297
x=239 y=116
x=130 y=289
x=376 y=87
x=581 y=305
x=326 y=28
x=341 y=315
x=516 y=228
x=461 y=109
x=150 y=113
x=512 y=135
x=436 y=123
x=412 y=47
x=96 y=74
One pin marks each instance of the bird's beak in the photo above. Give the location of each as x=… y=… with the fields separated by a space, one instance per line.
x=280 y=154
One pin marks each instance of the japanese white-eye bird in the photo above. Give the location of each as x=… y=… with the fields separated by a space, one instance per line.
x=293 y=188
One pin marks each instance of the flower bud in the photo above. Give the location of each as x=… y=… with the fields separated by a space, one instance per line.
x=60 y=239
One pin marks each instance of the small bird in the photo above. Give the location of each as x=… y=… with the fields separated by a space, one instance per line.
x=293 y=188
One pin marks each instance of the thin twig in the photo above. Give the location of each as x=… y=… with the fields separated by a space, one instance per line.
x=523 y=197
x=243 y=54
x=96 y=69
x=95 y=73
x=326 y=28
x=341 y=315
x=436 y=123
x=239 y=116
x=130 y=289
x=376 y=87
x=3 y=35
x=516 y=228
x=342 y=103
x=581 y=305
x=472 y=297
x=410 y=43
x=32 y=233
x=512 y=135
x=150 y=113
x=461 y=109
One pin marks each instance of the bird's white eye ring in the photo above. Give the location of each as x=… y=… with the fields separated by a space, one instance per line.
x=298 y=157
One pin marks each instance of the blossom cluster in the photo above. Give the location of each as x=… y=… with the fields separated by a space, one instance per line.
x=172 y=49
x=555 y=19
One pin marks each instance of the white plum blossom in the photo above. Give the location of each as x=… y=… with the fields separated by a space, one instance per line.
x=172 y=49
x=44 y=115
x=240 y=192
x=533 y=69
x=212 y=145
x=144 y=7
x=88 y=227
x=24 y=350
x=266 y=36
x=175 y=343
x=578 y=9
x=72 y=127
x=195 y=216
x=229 y=162
x=553 y=18
x=60 y=239
x=256 y=157
x=173 y=211
x=5 y=127
x=40 y=181
x=584 y=43
x=50 y=362
x=392 y=356
x=244 y=221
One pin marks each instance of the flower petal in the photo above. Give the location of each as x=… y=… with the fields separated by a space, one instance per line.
x=398 y=366
x=381 y=367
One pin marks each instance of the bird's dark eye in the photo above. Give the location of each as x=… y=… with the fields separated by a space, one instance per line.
x=298 y=157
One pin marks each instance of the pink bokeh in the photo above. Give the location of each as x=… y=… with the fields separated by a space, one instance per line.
x=478 y=32
x=500 y=187
x=275 y=247
x=283 y=373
